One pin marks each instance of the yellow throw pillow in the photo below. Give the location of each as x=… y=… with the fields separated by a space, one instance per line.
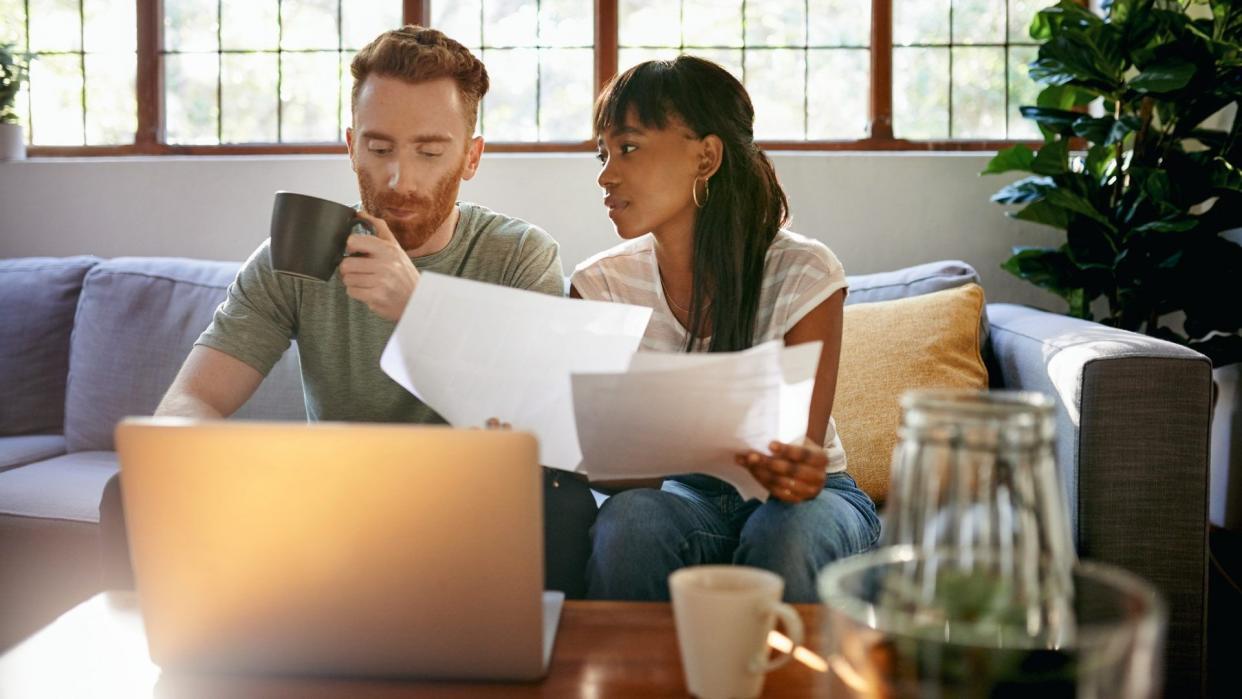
x=890 y=347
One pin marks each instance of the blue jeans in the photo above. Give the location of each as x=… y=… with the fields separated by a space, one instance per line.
x=640 y=536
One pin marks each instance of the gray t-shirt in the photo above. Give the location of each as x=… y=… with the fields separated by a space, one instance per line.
x=340 y=340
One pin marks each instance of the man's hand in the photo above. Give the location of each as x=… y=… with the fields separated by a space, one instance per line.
x=378 y=272
x=791 y=473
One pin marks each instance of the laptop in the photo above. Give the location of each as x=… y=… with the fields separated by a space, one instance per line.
x=338 y=548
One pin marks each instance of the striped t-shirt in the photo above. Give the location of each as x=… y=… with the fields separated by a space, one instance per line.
x=798 y=274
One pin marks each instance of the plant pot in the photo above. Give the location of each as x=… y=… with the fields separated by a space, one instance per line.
x=12 y=142
x=1225 y=487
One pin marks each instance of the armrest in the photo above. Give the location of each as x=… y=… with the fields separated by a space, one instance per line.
x=1133 y=425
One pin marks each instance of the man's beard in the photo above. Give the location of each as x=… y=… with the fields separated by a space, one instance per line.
x=431 y=210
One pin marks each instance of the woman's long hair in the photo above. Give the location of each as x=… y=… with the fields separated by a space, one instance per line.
x=746 y=207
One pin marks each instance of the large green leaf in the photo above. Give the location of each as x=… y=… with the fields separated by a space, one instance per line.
x=1077 y=203
x=1043 y=213
x=1100 y=162
x=1058 y=121
x=1066 y=13
x=1025 y=190
x=1173 y=224
x=1052 y=158
x=1044 y=267
x=1225 y=175
x=1167 y=76
x=1089 y=245
x=1018 y=158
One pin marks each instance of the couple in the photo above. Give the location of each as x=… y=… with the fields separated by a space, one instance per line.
x=679 y=162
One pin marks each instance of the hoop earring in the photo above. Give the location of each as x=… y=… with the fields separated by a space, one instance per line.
x=694 y=192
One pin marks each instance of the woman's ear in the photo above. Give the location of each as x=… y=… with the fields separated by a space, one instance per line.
x=711 y=156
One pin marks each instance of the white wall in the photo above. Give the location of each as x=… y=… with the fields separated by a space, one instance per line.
x=877 y=211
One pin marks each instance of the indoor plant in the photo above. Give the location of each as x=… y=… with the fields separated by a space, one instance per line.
x=12 y=75
x=1145 y=199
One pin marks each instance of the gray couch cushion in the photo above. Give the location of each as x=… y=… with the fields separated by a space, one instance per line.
x=66 y=487
x=38 y=297
x=910 y=281
x=137 y=320
x=28 y=448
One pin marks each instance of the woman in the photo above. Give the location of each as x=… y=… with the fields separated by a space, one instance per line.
x=701 y=213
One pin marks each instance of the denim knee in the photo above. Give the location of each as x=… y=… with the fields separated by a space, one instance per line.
x=635 y=545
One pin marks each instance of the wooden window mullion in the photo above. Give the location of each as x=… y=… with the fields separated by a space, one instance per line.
x=881 y=116
x=150 y=79
x=416 y=12
x=607 y=51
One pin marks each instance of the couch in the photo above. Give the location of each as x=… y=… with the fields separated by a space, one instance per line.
x=85 y=341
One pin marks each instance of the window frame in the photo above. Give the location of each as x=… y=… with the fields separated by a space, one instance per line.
x=149 y=137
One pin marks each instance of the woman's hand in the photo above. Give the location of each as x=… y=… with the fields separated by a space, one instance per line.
x=494 y=423
x=790 y=473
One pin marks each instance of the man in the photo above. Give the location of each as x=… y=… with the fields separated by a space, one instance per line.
x=415 y=103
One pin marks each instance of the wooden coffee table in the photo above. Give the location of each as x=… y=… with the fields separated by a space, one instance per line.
x=603 y=649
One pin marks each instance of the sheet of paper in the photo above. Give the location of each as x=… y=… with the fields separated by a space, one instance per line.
x=690 y=413
x=474 y=351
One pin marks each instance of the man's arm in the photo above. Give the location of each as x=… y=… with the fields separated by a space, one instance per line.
x=211 y=384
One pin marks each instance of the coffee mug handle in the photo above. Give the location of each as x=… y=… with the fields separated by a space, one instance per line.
x=788 y=616
x=366 y=226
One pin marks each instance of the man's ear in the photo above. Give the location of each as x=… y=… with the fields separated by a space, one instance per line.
x=473 y=154
x=349 y=147
x=711 y=155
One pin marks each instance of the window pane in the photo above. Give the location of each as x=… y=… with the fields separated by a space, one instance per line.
x=567 y=23
x=13 y=28
x=648 y=23
x=979 y=21
x=56 y=100
x=712 y=22
x=190 y=97
x=111 y=102
x=566 y=91
x=55 y=25
x=775 y=80
x=459 y=20
x=1022 y=91
x=840 y=88
x=1021 y=12
x=363 y=20
x=308 y=104
x=510 y=23
x=729 y=59
x=111 y=26
x=509 y=107
x=776 y=23
x=249 y=25
x=308 y=24
x=978 y=92
x=190 y=25
x=920 y=93
x=840 y=23
x=920 y=22
x=248 y=98
x=347 y=87
x=628 y=58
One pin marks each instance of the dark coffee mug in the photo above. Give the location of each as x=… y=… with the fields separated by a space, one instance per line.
x=308 y=234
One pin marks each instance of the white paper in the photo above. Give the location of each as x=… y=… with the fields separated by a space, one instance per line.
x=473 y=351
x=691 y=413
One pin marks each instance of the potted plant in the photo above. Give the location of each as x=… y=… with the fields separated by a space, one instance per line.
x=1141 y=166
x=1145 y=205
x=12 y=75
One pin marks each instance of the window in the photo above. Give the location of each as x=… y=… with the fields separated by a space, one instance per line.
x=272 y=76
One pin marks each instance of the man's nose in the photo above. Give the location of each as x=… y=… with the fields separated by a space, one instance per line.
x=607 y=175
x=401 y=177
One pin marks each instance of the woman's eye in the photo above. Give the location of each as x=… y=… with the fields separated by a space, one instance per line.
x=601 y=156
x=628 y=148
x=430 y=154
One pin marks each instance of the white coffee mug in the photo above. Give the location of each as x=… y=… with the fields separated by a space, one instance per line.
x=724 y=615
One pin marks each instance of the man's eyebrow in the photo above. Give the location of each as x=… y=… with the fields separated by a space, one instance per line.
x=420 y=138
